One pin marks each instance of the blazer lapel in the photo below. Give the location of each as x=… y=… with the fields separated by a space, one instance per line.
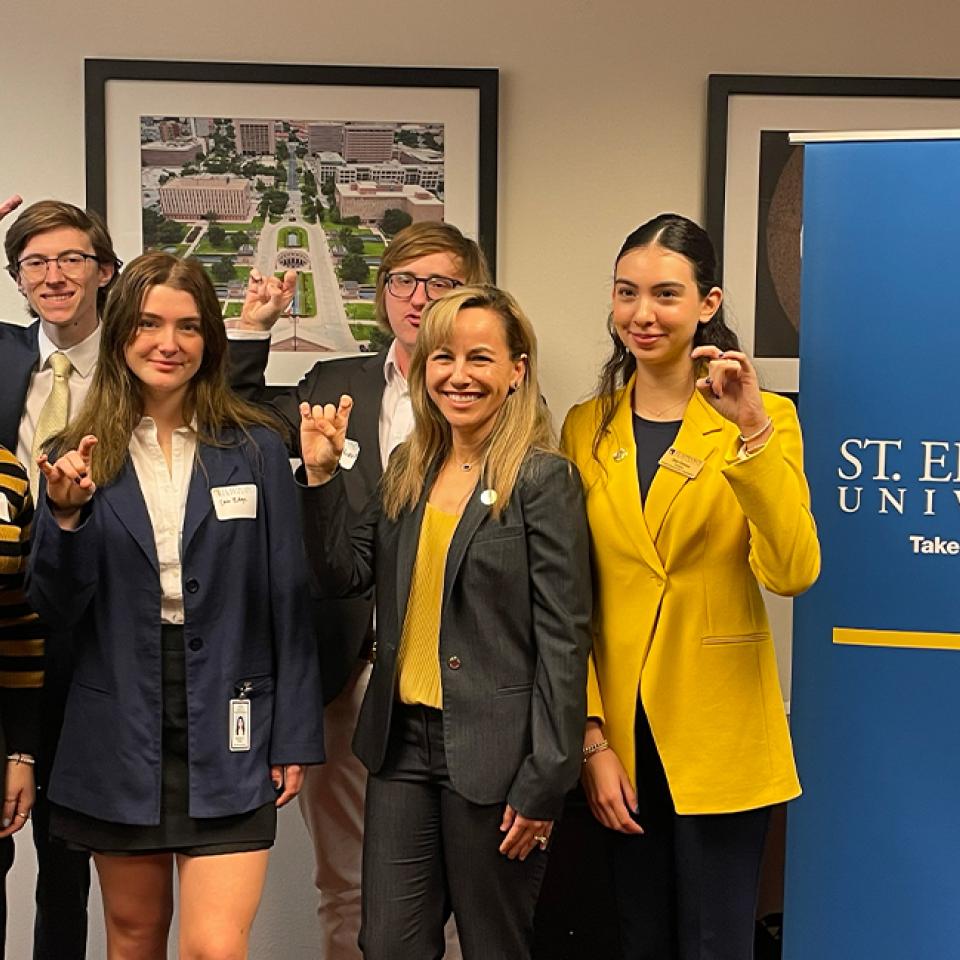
x=618 y=455
x=366 y=388
x=473 y=515
x=697 y=438
x=408 y=539
x=217 y=468
x=126 y=500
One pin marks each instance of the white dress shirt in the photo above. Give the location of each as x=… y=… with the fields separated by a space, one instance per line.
x=83 y=356
x=396 y=411
x=165 y=493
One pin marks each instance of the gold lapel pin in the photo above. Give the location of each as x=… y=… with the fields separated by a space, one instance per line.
x=621 y=454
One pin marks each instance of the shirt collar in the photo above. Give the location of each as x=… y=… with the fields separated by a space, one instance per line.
x=82 y=355
x=391 y=369
x=147 y=428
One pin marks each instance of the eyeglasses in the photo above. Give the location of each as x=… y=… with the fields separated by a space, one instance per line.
x=72 y=264
x=404 y=285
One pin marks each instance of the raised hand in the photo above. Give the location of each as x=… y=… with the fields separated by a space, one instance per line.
x=323 y=430
x=732 y=388
x=69 y=485
x=10 y=204
x=267 y=299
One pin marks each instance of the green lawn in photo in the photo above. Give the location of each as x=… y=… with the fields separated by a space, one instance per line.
x=373 y=248
x=308 y=295
x=301 y=236
x=363 y=332
x=232 y=309
x=360 y=311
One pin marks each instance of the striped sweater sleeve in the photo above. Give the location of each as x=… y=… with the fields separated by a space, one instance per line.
x=21 y=632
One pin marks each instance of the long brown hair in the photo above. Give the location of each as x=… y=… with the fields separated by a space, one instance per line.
x=114 y=405
x=679 y=235
x=522 y=423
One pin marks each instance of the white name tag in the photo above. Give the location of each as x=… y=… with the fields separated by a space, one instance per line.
x=4 y=507
x=235 y=503
x=239 y=725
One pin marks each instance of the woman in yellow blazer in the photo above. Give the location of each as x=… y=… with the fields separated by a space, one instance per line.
x=695 y=495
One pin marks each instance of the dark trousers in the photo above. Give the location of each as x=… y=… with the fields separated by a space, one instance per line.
x=687 y=888
x=427 y=851
x=63 y=875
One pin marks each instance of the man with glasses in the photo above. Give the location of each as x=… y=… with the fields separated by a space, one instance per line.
x=423 y=262
x=62 y=260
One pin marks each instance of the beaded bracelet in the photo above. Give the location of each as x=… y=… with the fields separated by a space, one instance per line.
x=759 y=433
x=21 y=758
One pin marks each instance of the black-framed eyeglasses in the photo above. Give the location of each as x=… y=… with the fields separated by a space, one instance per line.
x=72 y=264
x=404 y=285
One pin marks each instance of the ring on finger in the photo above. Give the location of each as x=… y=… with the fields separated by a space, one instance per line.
x=542 y=839
x=25 y=816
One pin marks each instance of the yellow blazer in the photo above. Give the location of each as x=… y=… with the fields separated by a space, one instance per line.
x=678 y=613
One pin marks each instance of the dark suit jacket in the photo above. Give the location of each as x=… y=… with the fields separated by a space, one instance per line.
x=514 y=629
x=246 y=618
x=19 y=354
x=343 y=626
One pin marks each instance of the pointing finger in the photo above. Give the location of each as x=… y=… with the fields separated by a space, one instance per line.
x=86 y=448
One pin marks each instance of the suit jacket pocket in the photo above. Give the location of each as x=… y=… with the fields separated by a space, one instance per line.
x=735 y=638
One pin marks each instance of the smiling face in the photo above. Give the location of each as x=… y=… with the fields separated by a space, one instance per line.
x=657 y=306
x=470 y=377
x=167 y=348
x=404 y=315
x=67 y=306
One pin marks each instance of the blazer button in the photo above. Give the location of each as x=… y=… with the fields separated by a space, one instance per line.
x=195 y=644
x=454 y=663
x=192 y=585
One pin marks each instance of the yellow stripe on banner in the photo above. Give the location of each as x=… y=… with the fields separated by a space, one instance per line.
x=896 y=638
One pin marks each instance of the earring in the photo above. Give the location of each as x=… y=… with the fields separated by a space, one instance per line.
x=513 y=388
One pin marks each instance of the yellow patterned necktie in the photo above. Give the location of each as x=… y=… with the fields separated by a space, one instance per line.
x=56 y=408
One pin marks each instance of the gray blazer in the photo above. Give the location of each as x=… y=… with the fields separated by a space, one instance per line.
x=514 y=629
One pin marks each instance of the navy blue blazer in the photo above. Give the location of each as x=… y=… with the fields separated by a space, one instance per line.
x=19 y=355
x=246 y=620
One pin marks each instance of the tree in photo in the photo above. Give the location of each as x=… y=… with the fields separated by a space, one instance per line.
x=216 y=235
x=354 y=267
x=222 y=271
x=394 y=221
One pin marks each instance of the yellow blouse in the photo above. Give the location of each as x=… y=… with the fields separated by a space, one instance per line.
x=418 y=658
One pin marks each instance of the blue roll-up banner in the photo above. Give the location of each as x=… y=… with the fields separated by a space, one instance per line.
x=873 y=860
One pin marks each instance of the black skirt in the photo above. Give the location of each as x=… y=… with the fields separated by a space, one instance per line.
x=177 y=831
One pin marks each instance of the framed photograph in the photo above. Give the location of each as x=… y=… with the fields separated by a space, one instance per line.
x=290 y=166
x=754 y=186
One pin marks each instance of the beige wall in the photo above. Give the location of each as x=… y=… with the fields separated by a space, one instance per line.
x=602 y=125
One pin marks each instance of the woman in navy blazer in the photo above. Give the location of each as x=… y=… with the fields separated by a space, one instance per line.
x=167 y=538
x=472 y=724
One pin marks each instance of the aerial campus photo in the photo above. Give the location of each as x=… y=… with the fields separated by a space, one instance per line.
x=322 y=197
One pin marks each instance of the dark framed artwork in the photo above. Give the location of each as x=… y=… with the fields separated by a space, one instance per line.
x=280 y=166
x=754 y=186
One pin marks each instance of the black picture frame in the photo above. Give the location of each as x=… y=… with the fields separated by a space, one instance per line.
x=846 y=103
x=98 y=74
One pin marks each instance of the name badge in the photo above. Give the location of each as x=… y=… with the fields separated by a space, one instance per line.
x=239 y=725
x=4 y=508
x=235 y=503
x=682 y=463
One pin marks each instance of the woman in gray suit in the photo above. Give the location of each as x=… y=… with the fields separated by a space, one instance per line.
x=472 y=724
